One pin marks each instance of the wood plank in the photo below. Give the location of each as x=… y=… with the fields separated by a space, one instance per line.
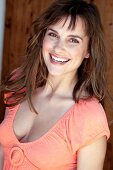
x=19 y=16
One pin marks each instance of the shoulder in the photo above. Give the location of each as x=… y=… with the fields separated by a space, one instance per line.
x=89 y=109
x=89 y=119
x=87 y=123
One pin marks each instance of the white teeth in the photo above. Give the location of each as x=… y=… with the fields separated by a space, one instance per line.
x=59 y=59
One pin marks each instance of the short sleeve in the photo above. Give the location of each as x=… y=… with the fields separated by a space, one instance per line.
x=87 y=123
x=9 y=109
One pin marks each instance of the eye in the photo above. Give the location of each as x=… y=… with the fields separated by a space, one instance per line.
x=74 y=40
x=53 y=35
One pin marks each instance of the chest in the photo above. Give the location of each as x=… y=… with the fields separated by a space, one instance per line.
x=29 y=127
x=46 y=144
x=51 y=146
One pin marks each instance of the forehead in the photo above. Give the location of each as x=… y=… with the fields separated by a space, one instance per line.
x=70 y=24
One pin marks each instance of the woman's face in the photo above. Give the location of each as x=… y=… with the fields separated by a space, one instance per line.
x=65 y=49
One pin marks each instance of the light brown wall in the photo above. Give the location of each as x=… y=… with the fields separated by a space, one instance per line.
x=19 y=16
x=106 y=11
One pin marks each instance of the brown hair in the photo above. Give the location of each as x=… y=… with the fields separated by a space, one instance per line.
x=33 y=72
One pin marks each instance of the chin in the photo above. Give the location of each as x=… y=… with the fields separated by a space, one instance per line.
x=55 y=73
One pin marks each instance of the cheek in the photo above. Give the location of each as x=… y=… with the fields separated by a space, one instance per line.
x=47 y=44
x=46 y=47
x=74 y=52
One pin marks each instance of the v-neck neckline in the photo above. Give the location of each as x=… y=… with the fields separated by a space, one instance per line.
x=65 y=115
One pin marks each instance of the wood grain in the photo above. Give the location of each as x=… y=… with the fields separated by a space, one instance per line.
x=19 y=16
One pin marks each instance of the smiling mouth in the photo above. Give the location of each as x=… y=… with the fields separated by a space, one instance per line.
x=58 y=60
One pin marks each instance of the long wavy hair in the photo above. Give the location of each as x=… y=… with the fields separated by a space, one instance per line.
x=32 y=74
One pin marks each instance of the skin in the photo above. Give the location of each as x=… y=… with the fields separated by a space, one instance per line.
x=60 y=42
x=64 y=43
x=92 y=156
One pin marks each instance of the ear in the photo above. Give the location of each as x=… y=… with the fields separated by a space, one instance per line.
x=87 y=56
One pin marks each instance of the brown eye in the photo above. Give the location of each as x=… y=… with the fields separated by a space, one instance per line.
x=74 y=40
x=52 y=34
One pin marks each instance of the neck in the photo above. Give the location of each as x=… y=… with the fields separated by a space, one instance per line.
x=60 y=85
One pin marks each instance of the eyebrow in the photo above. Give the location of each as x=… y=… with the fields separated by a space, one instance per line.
x=74 y=36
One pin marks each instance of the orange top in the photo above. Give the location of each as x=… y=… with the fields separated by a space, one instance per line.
x=83 y=123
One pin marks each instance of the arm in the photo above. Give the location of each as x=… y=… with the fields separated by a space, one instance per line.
x=1 y=157
x=91 y=157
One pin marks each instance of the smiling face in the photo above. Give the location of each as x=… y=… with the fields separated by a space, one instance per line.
x=64 y=49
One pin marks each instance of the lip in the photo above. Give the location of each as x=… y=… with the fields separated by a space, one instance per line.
x=58 y=56
x=57 y=63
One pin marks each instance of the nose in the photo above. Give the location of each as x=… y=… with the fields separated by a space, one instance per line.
x=59 y=46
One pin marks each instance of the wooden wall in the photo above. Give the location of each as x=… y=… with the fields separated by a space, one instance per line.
x=106 y=11
x=19 y=16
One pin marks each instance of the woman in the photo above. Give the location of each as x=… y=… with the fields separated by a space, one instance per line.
x=54 y=118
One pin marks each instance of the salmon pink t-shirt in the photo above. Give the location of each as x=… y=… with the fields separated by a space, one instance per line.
x=81 y=125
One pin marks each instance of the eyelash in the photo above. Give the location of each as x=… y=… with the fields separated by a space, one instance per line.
x=72 y=40
x=52 y=34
